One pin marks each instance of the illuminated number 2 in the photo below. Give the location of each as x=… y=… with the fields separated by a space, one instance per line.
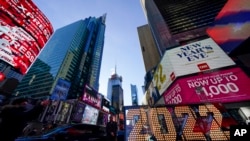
x=159 y=77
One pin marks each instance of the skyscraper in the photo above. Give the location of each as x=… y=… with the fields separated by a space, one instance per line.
x=115 y=91
x=134 y=95
x=115 y=95
x=177 y=22
x=72 y=56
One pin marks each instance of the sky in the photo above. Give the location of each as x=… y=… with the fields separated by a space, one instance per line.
x=121 y=44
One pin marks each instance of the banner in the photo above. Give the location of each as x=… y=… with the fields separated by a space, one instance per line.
x=78 y=112
x=222 y=86
x=92 y=97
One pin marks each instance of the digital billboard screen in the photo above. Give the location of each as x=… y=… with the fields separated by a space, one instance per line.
x=90 y=115
x=61 y=89
x=189 y=59
x=78 y=112
x=92 y=97
x=25 y=14
x=222 y=86
x=24 y=30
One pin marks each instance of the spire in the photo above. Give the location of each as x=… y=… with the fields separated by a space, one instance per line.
x=115 y=68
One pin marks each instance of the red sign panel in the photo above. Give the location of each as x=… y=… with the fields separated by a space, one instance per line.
x=203 y=66
x=24 y=30
x=26 y=15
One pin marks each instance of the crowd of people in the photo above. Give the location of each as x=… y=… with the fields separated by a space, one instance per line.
x=15 y=117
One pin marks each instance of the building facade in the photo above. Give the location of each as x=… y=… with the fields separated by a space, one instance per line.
x=72 y=56
x=177 y=22
x=148 y=48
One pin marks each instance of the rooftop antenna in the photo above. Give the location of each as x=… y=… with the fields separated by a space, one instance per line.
x=115 y=68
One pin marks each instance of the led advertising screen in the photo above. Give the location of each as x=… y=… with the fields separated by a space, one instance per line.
x=24 y=30
x=78 y=112
x=232 y=25
x=61 y=89
x=189 y=59
x=105 y=104
x=64 y=112
x=222 y=86
x=92 y=97
x=25 y=14
x=50 y=111
x=90 y=115
x=162 y=74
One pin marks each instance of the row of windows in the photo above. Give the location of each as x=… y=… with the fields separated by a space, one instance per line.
x=187 y=15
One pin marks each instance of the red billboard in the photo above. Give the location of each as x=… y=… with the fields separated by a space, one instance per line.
x=222 y=86
x=24 y=30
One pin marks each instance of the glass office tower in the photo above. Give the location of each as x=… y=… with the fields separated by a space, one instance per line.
x=73 y=55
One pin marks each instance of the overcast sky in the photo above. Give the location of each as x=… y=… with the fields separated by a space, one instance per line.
x=121 y=45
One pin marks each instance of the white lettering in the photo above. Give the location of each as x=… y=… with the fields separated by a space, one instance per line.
x=239 y=132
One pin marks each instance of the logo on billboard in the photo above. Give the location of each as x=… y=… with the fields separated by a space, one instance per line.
x=172 y=76
x=203 y=66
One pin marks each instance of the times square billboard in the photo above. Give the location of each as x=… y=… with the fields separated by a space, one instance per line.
x=189 y=59
x=24 y=30
x=223 y=86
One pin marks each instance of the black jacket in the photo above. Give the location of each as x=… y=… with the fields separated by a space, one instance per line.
x=111 y=127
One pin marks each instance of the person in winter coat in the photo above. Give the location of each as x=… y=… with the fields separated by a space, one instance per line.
x=111 y=129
